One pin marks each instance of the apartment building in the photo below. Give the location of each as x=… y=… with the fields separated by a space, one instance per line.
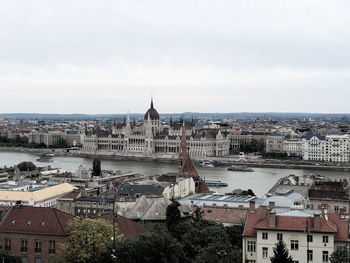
x=309 y=235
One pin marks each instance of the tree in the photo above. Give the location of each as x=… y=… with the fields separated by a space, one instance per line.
x=173 y=215
x=340 y=256
x=96 y=167
x=158 y=246
x=197 y=215
x=280 y=254
x=26 y=166
x=89 y=241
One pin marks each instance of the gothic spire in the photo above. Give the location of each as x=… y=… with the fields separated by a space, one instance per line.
x=151 y=102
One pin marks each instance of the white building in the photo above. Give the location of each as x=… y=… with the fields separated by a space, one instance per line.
x=152 y=137
x=330 y=148
x=293 y=147
x=308 y=235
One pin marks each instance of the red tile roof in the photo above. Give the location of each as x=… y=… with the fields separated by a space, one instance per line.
x=257 y=220
x=38 y=220
x=225 y=214
x=127 y=227
x=252 y=219
x=293 y=223
x=342 y=227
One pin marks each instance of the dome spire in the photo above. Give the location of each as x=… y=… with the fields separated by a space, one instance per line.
x=152 y=102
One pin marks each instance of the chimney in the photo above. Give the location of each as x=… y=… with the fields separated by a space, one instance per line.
x=264 y=211
x=272 y=219
x=271 y=205
x=317 y=221
x=252 y=206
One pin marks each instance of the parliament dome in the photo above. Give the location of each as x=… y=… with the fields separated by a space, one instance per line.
x=152 y=113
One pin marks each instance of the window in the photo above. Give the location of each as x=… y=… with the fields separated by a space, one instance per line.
x=24 y=245
x=37 y=248
x=309 y=255
x=309 y=238
x=294 y=245
x=265 y=235
x=336 y=208
x=37 y=260
x=251 y=247
x=279 y=236
x=324 y=256
x=265 y=252
x=325 y=239
x=52 y=247
x=7 y=243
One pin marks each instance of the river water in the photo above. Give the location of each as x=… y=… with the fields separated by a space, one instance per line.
x=260 y=181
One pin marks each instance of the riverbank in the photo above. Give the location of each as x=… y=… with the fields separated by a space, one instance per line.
x=167 y=158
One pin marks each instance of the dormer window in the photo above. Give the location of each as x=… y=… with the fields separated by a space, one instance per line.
x=29 y=223
x=13 y=222
x=42 y=223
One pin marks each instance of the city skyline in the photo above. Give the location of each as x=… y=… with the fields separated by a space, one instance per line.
x=233 y=56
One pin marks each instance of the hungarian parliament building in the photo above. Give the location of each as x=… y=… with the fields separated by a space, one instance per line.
x=153 y=137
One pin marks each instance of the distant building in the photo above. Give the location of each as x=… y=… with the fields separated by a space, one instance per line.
x=330 y=195
x=326 y=148
x=152 y=137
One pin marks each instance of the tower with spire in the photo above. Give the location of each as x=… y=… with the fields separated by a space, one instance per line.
x=186 y=166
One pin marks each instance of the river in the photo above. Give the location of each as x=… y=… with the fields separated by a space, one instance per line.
x=260 y=181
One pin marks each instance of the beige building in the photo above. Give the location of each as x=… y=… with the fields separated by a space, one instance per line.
x=46 y=197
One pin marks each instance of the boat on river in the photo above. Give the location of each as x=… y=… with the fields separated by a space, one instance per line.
x=240 y=169
x=207 y=164
x=45 y=159
x=215 y=183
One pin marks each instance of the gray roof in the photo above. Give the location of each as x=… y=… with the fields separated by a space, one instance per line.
x=133 y=190
x=220 y=200
x=312 y=133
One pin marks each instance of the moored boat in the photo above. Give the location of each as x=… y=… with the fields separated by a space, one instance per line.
x=240 y=169
x=215 y=183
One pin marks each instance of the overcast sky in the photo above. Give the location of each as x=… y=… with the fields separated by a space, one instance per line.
x=205 y=56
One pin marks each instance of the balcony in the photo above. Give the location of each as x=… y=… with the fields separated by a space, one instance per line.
x=37 y=250
x=24 y=249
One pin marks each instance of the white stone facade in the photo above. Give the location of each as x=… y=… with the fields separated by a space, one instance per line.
x=154 y=138
x=332 y=148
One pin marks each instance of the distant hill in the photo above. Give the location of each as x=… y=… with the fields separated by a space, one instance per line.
x=196 y=115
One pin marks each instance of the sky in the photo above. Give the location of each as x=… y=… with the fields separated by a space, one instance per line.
x=101 y=56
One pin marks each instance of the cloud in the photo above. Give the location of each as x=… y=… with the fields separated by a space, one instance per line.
x=110 y=56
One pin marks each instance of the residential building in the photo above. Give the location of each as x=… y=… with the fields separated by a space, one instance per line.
x=330 y=195
x=306 y=233
x=34 y=233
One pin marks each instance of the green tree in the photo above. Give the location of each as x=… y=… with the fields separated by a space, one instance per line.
x=340 y=256
x=173 y=215
x=280 y=254
x=197 y=215
x=158 y=246
x=248 y=192
x=204 y=239
x=89 y=241
x=26 y=166
x=96 y=167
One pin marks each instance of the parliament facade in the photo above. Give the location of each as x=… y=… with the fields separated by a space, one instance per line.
x=153 y=137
